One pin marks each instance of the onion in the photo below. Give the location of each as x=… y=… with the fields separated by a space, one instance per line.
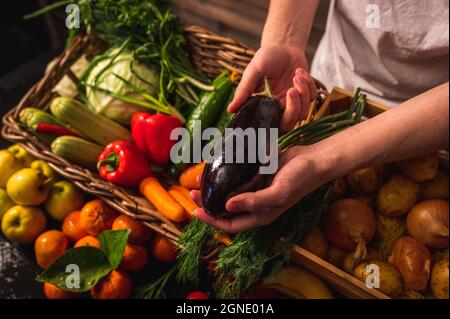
x=349 y=221
x=413 y=260
x=428 y=223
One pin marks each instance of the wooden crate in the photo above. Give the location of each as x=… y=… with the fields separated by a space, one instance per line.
x=339 y=100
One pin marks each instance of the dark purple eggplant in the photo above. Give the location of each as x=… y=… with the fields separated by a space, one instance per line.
x=221 y=180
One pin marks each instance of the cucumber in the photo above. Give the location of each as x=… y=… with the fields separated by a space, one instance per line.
x=77 y=151
x=207 y=111
x=225 y=117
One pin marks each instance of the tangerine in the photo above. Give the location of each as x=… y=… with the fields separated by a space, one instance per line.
x=134 y=258
x=116 y=285
x=139 y=233
x=49 y=246
x=96 y=216
x=163 y=249
x=88 y=241
x=71 y=227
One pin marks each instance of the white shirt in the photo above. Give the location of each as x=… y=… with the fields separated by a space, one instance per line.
x=393 y=50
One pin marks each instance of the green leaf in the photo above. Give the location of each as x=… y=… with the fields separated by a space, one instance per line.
x=92 y=263
x=113 y=244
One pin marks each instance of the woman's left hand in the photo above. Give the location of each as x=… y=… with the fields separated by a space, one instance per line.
x=300 y=172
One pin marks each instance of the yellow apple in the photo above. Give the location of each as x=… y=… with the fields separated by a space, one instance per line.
x=64 y=198
x=45 y=169
x=9 y=164
x=5 y=203
x=23 y=224
x=28 y=187
x=22 y=154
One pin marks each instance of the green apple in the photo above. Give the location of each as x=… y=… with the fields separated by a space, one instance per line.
x=9 y=164
x=5 y=203
x=45 y=169
x=23 y=224
x=64 y=198
x=22 y=154
x=28 y=187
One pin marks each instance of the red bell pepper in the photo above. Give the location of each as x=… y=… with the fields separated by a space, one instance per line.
x=151 y=134
x=122 y=164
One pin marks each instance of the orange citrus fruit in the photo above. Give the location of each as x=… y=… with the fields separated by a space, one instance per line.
x=49 y=246
x=96 y=216
x=71 y=226
x=88 y=241
x=117 y=285
x=134 y=258
x=163 y=249
x=53 y=292
x=139 y=233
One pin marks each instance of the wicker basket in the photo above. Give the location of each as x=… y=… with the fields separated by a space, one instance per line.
x=210 y=54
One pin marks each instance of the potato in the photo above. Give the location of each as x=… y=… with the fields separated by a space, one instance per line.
x=366 y=180
x=372 y=254
x=367 y=199
x=316 y=243
x=439 y=279
x=340 y=188
x=355 y=258
x=411 y=294
x=397 y=196
x=420 y=169
x=437 y=188
x=390 y=279
x=336 y=257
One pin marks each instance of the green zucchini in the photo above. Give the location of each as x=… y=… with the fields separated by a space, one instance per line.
x=77 y=151
x=31 y=117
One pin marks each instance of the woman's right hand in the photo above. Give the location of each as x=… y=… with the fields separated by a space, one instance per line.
x=286 y=67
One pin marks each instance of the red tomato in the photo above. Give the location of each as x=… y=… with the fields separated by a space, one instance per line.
x=197 y=295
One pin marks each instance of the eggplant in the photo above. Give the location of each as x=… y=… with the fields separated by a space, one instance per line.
x=223 y=179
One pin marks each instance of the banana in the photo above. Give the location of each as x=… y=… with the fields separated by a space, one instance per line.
x=298 y=283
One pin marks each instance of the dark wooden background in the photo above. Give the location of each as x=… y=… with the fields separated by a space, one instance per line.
x=241 y=19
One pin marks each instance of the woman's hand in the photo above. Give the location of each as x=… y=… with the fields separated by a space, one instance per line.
x=285 y=66
x=301 y=171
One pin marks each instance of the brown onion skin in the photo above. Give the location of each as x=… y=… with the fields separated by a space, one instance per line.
x=413 y=260
x=428 y=223
x=347 y=221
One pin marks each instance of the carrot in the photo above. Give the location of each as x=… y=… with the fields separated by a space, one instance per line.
x=178 y=194
x=183 y=190
x=190 y=177
x=222 y=238
x=162 y=200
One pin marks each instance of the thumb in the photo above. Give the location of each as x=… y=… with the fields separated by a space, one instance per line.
x=247 y=86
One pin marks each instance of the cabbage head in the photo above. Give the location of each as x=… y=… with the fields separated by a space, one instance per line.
x=105 y=78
